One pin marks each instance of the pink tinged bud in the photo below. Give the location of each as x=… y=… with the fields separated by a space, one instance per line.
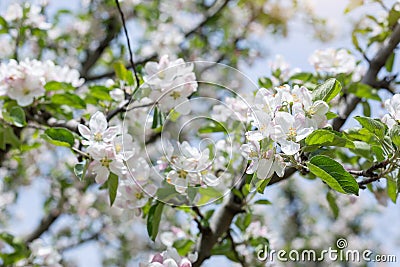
x=158 y=258
x=185 y=263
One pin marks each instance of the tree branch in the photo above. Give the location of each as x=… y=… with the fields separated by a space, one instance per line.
x=112 y=30
x=212 y=12
x=221 y=220
x=370 y=78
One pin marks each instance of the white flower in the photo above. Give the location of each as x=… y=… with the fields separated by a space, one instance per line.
x=98 y=132
x=117 y=94
x=43 y=254
x=333 y=61
x=62 y=74
x=14 y=12
x=168 y=258
x=191 y=167
x=132 y=195
x=393 y=107
x=22 y=82
x=289 y=131
x=265 y=163
x=105 y=161
x=314 y=112
x=170 y=82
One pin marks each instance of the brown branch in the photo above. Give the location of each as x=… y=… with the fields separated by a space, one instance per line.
x=46 y=222
x=112 y=30
x=221 y=220
x=212 y=12
x=240 y=258
x=370 y=78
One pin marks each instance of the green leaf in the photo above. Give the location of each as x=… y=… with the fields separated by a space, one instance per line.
x=56 y=86
x=155 y=118
x=3 y=23
x=362 y=149
x=261 y=185
x=365 y=91
x=372 y=125
x=213 y=127
x=263 y=202
x=333 y=173
x=391 y=189
x=183 y=246
x=389 y=62
x=59 y=137
x=15 y=116
x=153 y=219
x=394 y=134
x=123 y=74
x=112 y=184
x=327 y=91
x=302 y=76
x=68 y=99
x=7 y=136
x=100 y=92
x=324 y=137
x=265 y=82
x=80 y=169
x=366 y=109
x=361 y=135
x=331 y=115
x=330 y=197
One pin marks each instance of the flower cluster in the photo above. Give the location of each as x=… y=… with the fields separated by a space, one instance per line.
x=105 y=147
x=43 y=254
x=333 y=61
x=171 y=83
x=168 y=258
x=283 y=116
x=114 y=152
x=392 y=105
x=34 y=16
x=24 y=81
x=189 y=167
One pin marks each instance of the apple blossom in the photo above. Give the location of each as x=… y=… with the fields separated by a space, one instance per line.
x=333 y=61
x=190 y=168
x=98 y=133
x=289 y=130
x=168 y=258
x=25 y=80
x=392 y=105
x=171 y=82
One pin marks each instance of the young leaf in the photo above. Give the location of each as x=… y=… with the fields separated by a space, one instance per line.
x=391 y=189
x=69 y=99
x=330 y=197
x=56 y=86
x=153 y=219
x=394 y=134
x=265 y=82
x=324 y=137
x=59 y=137
x=16 y=116
x=333 y=173
x=327 y=91
x=112 y=183
x=263 y=202
x=80 y=169
x=374 y=126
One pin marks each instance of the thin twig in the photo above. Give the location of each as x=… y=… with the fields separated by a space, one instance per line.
x=129 y=45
